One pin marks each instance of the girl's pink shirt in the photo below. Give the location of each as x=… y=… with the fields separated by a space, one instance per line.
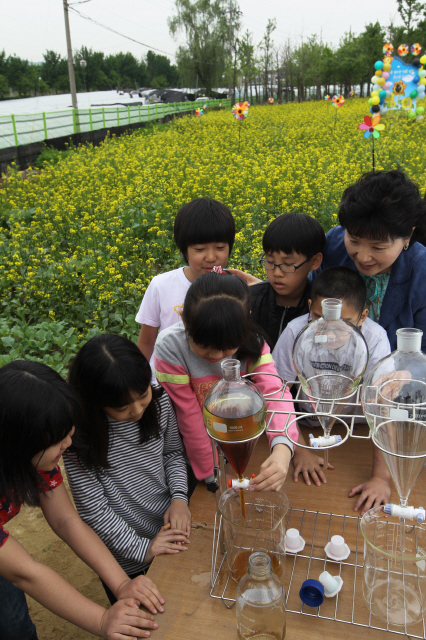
x=188 y=378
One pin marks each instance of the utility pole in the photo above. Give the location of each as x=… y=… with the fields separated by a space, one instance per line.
x=70 y=60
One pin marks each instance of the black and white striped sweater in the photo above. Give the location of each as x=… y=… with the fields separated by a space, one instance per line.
x=125 y=504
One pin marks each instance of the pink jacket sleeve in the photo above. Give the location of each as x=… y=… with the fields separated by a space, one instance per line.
x=175 y=380
x=268 y=384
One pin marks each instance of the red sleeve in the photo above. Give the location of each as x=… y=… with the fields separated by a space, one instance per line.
x=51 y=479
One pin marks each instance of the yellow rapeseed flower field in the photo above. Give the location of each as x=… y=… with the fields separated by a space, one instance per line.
x=80 y=242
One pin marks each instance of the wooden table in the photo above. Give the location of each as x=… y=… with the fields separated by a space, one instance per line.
x=184 y=579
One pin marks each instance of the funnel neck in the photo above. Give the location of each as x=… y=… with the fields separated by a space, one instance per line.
x=331 y=308
x=231 y=369
x=409 y=340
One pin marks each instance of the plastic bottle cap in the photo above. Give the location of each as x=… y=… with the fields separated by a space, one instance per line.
x=409 y=340
x=312 y=593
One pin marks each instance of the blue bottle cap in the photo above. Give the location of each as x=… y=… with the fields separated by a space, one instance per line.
x=312 y=593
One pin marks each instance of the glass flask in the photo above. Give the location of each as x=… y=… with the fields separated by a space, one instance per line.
x=260 y=602
x=330 y=357
x=394 y=404
x=234 y=413
x=262 y=529
x=394 y=584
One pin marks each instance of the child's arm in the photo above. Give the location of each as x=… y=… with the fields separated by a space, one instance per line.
x=274 y=470
x=247 y=277
x=146 y=340
x=84 y=541
x=178 y=514
x=53 y=592
x=175 y=380
x=376 y=490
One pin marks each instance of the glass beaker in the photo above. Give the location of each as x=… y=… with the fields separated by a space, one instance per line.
x=394 y=586
x=263 y=529
x=260 y=602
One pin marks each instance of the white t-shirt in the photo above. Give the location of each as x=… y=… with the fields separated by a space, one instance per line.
x=375 y=337
x=163 y=301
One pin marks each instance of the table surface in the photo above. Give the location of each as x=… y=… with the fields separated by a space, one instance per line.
x=184 y=579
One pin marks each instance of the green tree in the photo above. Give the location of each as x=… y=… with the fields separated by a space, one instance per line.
x=206 y=31
x=4 y=86
x=54 y=71
x=410 y=12
x=159 y=66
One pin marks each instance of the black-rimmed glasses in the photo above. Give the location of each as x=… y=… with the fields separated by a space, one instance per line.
x=285 y=268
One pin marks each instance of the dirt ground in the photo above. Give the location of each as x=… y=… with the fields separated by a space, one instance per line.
x=32 y=530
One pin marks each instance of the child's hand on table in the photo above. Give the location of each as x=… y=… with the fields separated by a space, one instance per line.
x=124 y=618
x=167 y=540
x=374 y=492
x=178 y=516
x=144 y=591
x=308 y=464
x=273 y=471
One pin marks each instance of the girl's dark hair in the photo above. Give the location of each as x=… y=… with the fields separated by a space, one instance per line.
x=294 y=232
x=38 y=409
x=201 y=221
x=216 y=313
x=383 y=205
x=342 y=283
x=104 y=372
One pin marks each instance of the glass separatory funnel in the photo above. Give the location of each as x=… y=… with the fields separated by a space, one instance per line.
x=234 y=413
x=330 y=356
x=394 y=404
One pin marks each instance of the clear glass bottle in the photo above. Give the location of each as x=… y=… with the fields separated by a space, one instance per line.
x=260 y=601
x=234 y=414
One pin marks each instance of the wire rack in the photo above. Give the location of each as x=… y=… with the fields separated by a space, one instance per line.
x=316 y=528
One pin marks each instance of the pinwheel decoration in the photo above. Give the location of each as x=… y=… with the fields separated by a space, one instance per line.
x=198 y=112
x=351 y=93
x=416 y=49
x=403 y=50
x=240 y=110
x=388 y=48
x=337 y=100
x=271 y=101
x=205 y=106
x=327 y=97
x=371 y=126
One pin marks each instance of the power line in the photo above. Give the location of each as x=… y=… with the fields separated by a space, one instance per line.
x=99 y=24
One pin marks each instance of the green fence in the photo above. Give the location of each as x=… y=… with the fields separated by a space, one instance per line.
x=22 y=129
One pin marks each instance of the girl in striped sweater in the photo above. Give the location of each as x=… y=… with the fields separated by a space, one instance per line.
x=129 y=478
x=217 y=325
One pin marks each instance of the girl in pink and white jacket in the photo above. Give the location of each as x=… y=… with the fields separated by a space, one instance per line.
x=217 y=325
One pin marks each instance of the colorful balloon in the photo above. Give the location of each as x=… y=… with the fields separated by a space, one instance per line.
x=419 y=118
x=382 y=94
x=412 y=115
x=378 y=65
x=387 y=66
x=413 y=94
x=423 y=60
x=420 y=110
x=381 y=81
x=385 y=75
x=374 y=100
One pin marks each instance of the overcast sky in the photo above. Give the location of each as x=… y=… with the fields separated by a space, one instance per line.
x=29 y=28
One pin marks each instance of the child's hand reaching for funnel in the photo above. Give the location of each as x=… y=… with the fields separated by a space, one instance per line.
x=309 y=465
x=273 y=471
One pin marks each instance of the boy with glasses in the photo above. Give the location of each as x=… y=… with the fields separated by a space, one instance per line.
x=292 y=246
x=349 y=287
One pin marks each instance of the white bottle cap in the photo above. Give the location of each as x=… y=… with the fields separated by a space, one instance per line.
x=409 y=340
x=331 y=308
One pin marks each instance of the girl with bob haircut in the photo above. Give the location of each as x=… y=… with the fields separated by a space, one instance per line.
x=217 y=325
x=38 y=411
x=128 y=478
x=382 y=223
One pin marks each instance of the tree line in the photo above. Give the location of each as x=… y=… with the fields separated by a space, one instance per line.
x=121 y=70
x=219 y=53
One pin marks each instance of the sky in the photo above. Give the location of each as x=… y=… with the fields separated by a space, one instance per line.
x=29 y=28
